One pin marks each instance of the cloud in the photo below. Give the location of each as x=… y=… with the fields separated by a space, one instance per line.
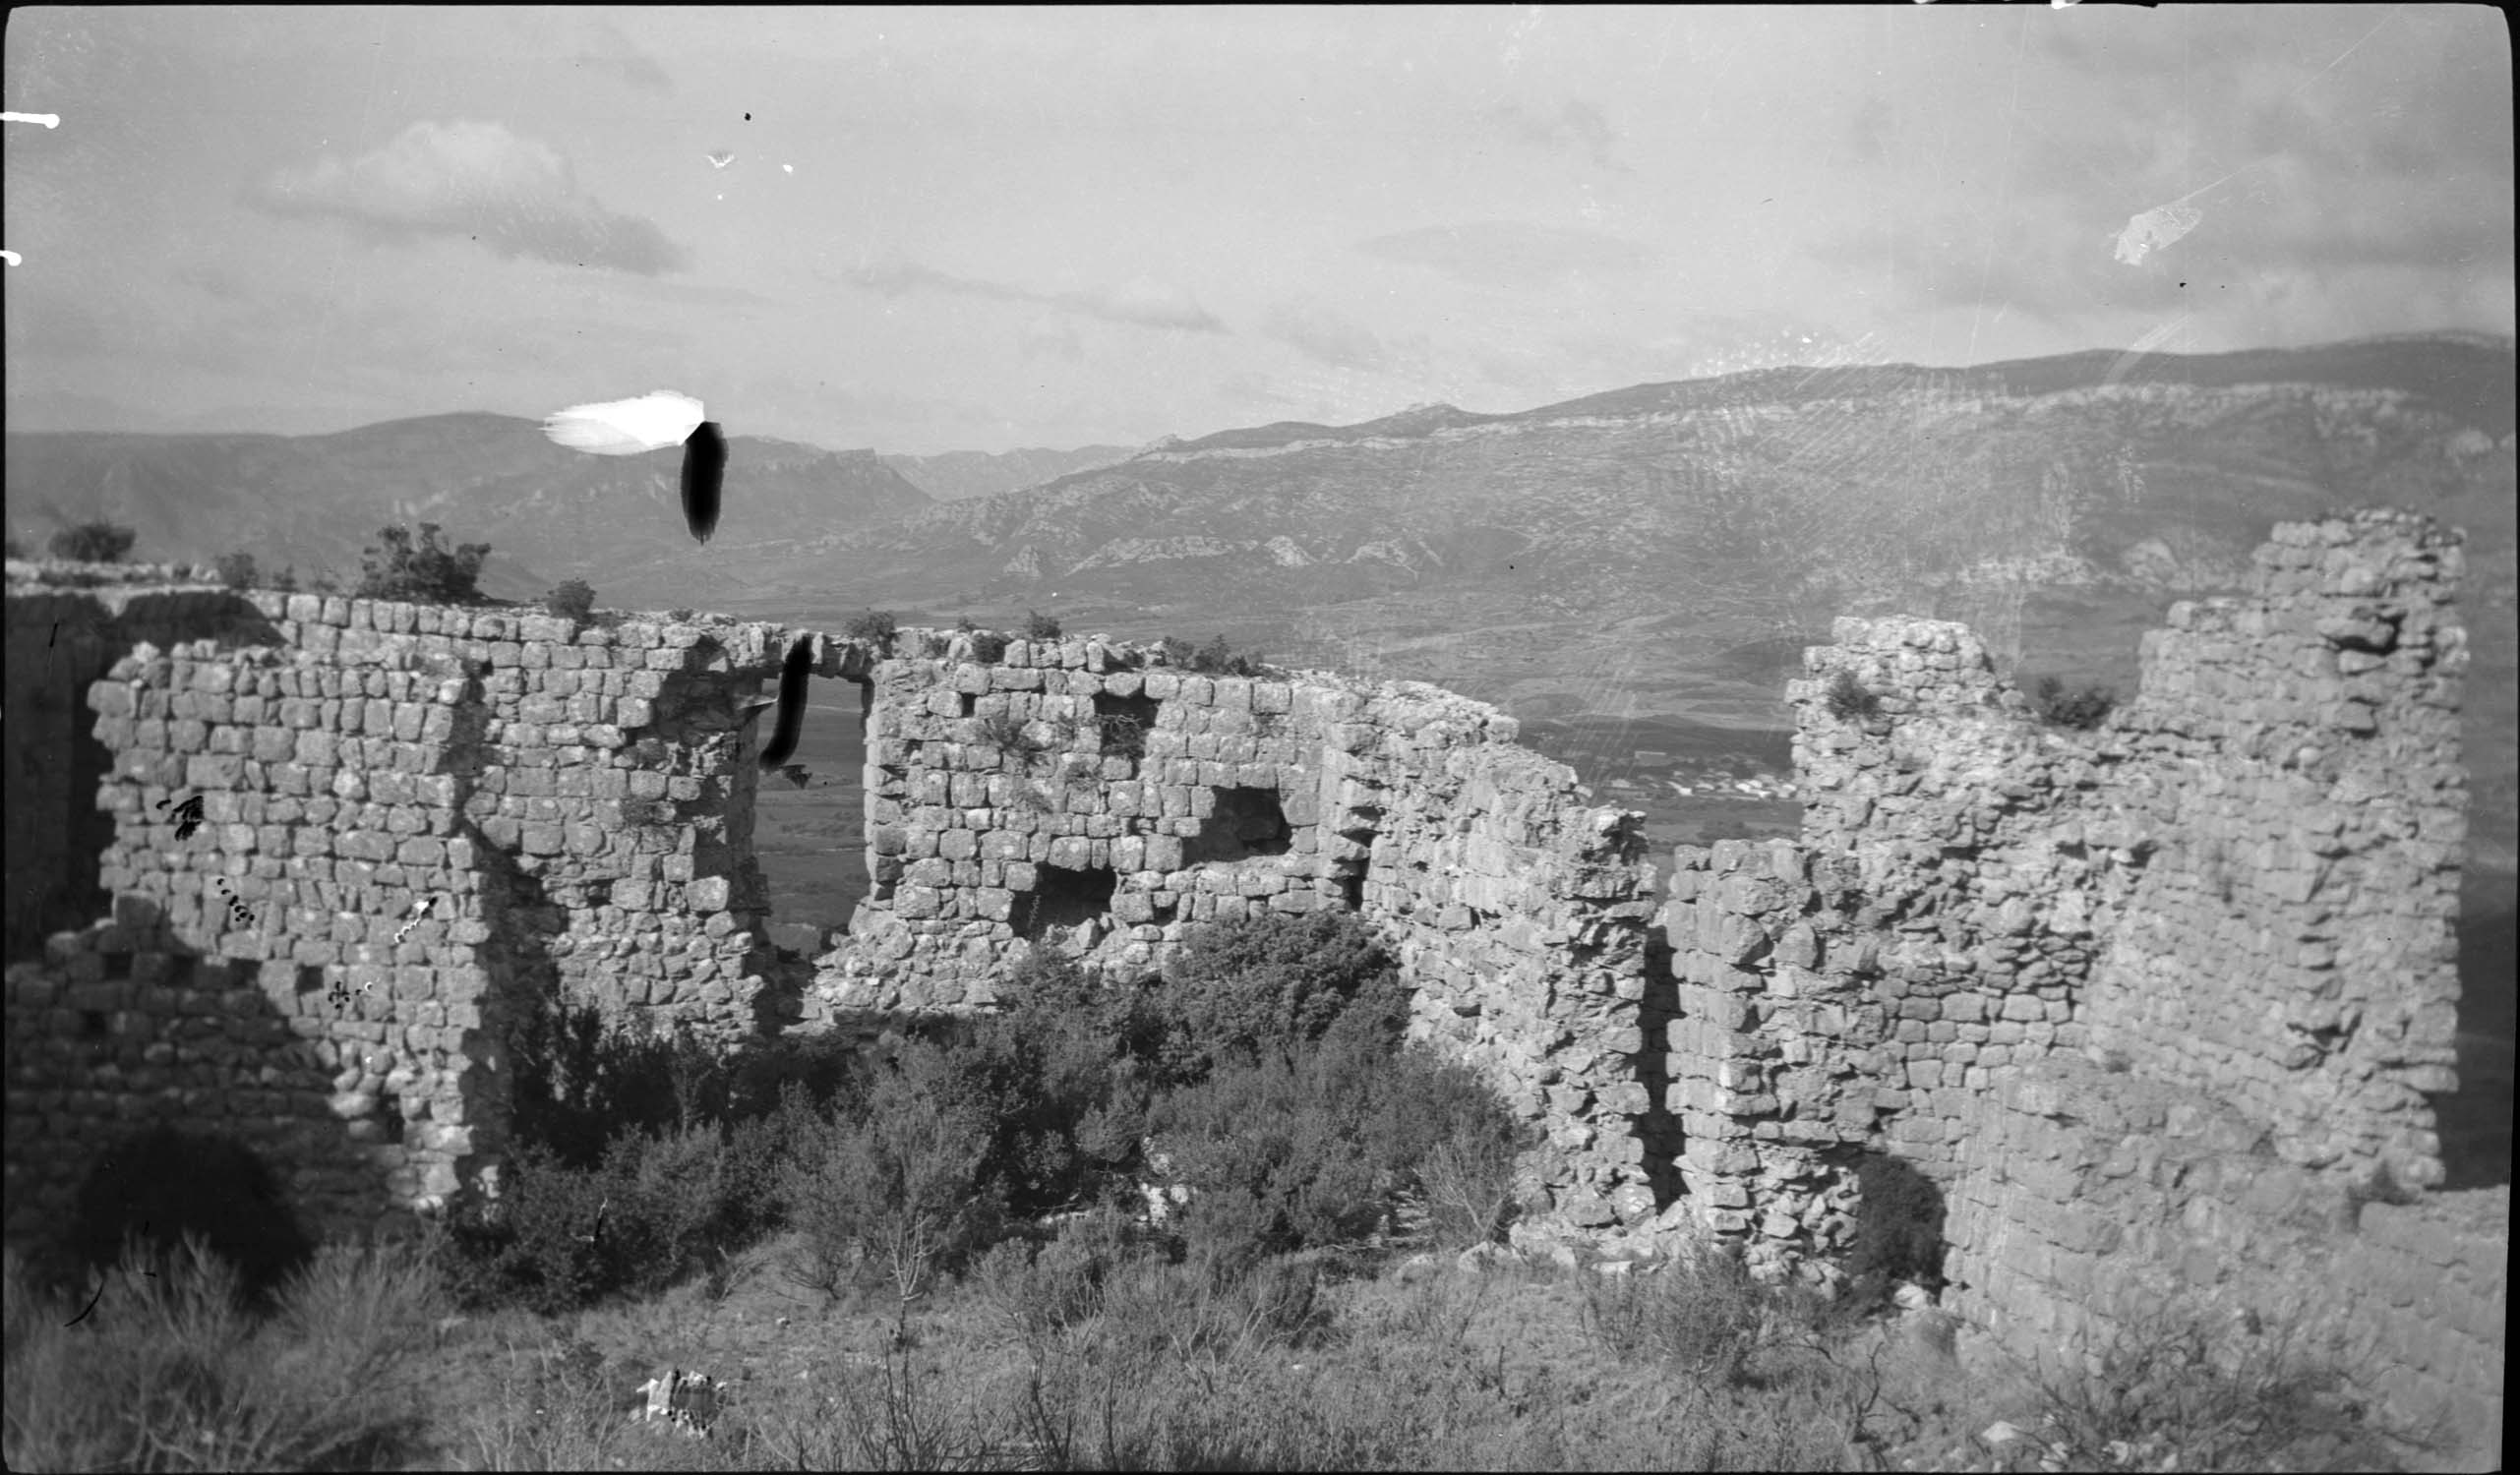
x=1052 y=333
x=1323 y=333
x=1141 y=303
x=1511 y=254
x=1578 y=127
x=607 y=49
x=472 y=180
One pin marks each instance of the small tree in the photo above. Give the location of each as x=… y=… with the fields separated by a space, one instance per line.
x=571 y=600
x=422 y=571
x=878 y=628
x=285 y=580
x=97 y=541
x=1040 y=626
x=236 y=570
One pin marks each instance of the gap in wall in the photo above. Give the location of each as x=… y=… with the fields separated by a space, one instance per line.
x=809 y=839
x=1246 y=822
x=1062 y=898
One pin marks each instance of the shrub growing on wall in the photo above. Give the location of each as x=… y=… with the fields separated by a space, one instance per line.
x=1849 y=701
x=876 y=628
x=2083 y=709
x=99 y=542
x=571 y=600
x=1040 y=626
x=236 y=570
x=422 y=570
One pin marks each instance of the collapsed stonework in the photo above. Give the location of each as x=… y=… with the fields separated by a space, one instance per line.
x=2146 y=1007
x=415 y=822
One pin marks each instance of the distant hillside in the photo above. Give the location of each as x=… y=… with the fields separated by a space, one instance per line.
x=1667 y=550
x=959 y=475
x=549 y=513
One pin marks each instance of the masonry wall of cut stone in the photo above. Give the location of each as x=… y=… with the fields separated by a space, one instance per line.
x=2100 y=1205
x=59 y=640
x=1071 y=793
x=558 y=793
x=2238 y=890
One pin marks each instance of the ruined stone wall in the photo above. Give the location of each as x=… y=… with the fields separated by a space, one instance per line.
x=2019 y=959
x=2098 y=1202
x=575 y=802
x=2291 y=940
x=1071 y=793
x=558 y=792
x=59 y=640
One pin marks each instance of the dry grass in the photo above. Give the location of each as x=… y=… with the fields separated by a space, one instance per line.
x=1155 y=1365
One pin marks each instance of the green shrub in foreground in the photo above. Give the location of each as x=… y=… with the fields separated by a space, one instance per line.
x=169 y=1369
x=236 y=570
x=1270 y=981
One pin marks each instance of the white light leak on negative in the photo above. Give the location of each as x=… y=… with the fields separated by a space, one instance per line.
x=627 y=426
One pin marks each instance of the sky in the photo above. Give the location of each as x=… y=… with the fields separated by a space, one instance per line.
x=969 y=229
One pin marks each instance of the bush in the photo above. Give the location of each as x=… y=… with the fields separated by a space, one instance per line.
x=99 y=542
x=1849 y=701
x=572 y=600
x=169 y=1371
x=236 y=570
x=1702 y=1315
x=1270 y=981
x=1061 y=1075
x=988 y=646
x=876 y=628
x=2084 y=710
x=1040 y=626
x=895 y=1183
x=1454 y=1133
x=1216 y=658
x=1278 y=1153
x=286 y=582
x=422 y=573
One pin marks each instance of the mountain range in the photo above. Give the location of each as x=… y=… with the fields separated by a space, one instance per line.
x=959 y=475
x=1637 y=570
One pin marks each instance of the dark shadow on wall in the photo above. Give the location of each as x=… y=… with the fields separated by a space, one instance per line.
x=160 y=1183
x=2475 y=1121
x=66 y=643
x=1659 y=1128
x=1899 y=1229
x=1245 y=822
x=261 y=1195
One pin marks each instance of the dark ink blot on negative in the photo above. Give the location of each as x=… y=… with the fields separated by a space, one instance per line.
x=703 y=477
x=791 y=689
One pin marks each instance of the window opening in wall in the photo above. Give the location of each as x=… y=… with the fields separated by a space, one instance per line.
x=389 y=1117
x=309 y=979
x=1124 y=721
x=807 y=825
x=1352 y=889
x=1246 y=822
x=1062 y=898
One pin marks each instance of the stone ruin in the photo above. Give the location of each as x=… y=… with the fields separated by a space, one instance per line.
x=2147 y=1013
